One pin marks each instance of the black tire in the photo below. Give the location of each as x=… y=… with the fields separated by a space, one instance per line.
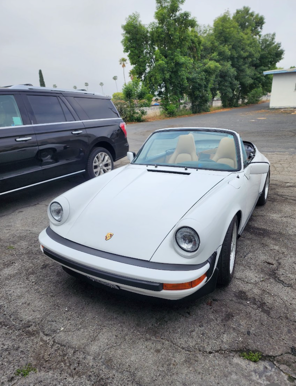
x=263 y=196
x=99 y=162
x=227 y=257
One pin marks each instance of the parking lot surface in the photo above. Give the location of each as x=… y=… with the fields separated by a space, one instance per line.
x=76 y=334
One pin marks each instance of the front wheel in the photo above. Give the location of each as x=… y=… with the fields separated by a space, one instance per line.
x=99 y=162
x=263 y=196
x=227 y=257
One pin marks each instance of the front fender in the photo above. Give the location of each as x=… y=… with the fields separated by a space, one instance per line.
x=210 y=218
x=79 y=197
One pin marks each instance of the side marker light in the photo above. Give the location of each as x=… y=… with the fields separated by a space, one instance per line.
x=183 y=286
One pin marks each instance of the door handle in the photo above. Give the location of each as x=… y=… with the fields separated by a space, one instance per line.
x=76 y=132
x=23 y=139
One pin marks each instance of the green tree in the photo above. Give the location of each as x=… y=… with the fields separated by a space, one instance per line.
x=118 y=96
x=270 y=54
x=248 y=21
x=54 y=86
x=200 y=81
x=115 y=79
x=75 y=87
x=102 y=84
x=162 y=53
x=122 y=62
x=236 y=43
x=86 y=85
x=41 y=79
x=132 y=92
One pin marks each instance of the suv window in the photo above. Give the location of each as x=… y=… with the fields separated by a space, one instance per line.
x=9 y=112
x=67 y=112
x=47 y=109
x=96 y=108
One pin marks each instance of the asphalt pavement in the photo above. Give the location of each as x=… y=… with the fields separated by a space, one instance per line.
x=72 y=333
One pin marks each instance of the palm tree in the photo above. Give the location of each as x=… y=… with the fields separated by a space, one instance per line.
x=102 y=84
x=115 y=79
x=86 y=85
x=122 y=62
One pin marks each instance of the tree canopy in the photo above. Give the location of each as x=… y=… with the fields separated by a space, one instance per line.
x=173 y=56
x=41 y=79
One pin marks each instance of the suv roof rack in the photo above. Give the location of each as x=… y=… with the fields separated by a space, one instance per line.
x=25 y=85
x=29 y=86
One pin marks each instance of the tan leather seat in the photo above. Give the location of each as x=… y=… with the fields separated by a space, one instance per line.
x=226 y=153
x=185 y=150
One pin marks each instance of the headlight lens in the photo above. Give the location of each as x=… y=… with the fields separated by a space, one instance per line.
x=187 y=239
x=56 y=210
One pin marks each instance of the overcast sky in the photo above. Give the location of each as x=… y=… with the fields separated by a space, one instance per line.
x=78 y=41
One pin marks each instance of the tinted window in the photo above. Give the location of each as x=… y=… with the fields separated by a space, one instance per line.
x=96 y=108
x=67 y=112
x=46 y=109
x=9 y=112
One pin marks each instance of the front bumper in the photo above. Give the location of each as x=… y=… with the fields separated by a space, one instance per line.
x=138 y=276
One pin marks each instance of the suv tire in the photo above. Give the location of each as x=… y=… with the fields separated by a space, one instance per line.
x=99 y=162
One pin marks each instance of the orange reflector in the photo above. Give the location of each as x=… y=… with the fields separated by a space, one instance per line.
x=183 y=286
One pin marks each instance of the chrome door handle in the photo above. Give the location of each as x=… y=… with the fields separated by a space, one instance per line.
x=76 y=132
x=24 y=139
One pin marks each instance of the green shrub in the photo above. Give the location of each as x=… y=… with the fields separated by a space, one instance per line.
x=254 y=96
x=170 y=109
x=143 y=103
x=128 y=111
x=122 y=108
x=117 y=96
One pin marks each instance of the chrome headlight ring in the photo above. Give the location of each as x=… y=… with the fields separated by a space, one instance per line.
x=58 y=211
x=187 y=239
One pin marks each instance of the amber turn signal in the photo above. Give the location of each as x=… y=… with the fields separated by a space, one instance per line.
x=183 y=286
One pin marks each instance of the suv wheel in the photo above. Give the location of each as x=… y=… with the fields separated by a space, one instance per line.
x=99 y=162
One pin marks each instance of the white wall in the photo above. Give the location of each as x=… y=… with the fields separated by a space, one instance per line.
x=283 y=93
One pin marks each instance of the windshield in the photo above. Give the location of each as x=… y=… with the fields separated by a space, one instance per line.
x=212 y=150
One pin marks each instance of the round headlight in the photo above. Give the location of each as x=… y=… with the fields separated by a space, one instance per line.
x=187 y=239
x=56 y=210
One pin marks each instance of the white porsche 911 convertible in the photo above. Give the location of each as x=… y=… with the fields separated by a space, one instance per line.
x=167 y=224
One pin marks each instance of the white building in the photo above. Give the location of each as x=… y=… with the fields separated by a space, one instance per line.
x=283 y=92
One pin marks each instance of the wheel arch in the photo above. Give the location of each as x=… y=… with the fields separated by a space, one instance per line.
x=105 y=145
x=239 y=218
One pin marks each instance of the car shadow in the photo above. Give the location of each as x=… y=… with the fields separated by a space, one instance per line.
x=38 y=193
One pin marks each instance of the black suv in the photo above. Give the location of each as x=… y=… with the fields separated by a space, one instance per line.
x=47 y=134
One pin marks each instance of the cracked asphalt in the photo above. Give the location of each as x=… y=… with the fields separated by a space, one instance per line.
x=75 y=334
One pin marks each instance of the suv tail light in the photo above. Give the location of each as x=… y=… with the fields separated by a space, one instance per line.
x=123 y=128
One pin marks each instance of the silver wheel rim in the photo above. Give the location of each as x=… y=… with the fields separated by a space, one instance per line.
x=102 y=164
x=233 y=248
x=266 y=187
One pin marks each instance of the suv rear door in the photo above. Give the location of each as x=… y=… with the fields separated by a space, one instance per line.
x=63 y=141
x=102 y=122
x=19 y=164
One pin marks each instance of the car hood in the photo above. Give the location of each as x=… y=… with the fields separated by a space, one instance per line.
x=139 y=207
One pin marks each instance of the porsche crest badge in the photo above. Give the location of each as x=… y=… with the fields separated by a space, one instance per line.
x=109 y=236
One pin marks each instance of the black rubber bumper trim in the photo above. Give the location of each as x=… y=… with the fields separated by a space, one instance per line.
x=147 y=285
x=212 y=262
x=122 y=259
